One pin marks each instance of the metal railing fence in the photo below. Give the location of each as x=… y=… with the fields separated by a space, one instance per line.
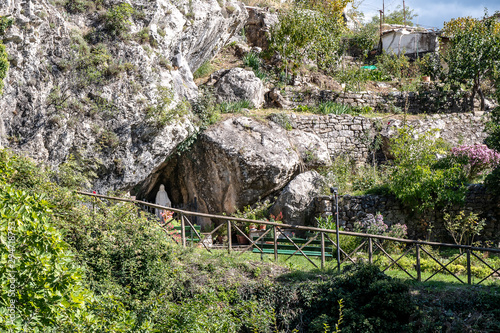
x=371 y=242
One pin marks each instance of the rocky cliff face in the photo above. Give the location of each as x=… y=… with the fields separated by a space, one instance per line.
x=105 y=81
x=237 y=162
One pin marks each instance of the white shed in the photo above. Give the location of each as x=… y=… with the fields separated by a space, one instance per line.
x=411 y=42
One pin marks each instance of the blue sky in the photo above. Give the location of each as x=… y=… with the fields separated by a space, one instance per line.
x=433 y=13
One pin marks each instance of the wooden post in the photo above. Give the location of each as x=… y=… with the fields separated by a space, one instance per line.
x=275 y=231
x=183 y=231
x=229 y=241
x=370 y=250
x=322 y=250
x=469 y=273
x=419 y=274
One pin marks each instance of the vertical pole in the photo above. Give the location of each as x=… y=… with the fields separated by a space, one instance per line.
x=275 y=232
x=322 y=250
x=337 y=229
x=380 y=32
x=404 y=13
x=183 y=231
x=370 y=250
x=469 y=274
x=419 y=274
x=191 y=235
x=229 y=241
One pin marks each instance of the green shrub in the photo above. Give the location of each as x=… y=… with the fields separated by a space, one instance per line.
x=205 y=107
x=4 y=65
x=117 y=19
x=418 y=178
x=251 y=60
x=234 y=107
x=5 y=23
x=204 y=70
x=45 y=284
x=160 y=114
x=333 y=108
x=307 y=34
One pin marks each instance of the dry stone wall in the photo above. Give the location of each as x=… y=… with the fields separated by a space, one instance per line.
x=428 y=100
x=355 y=136
x=356 y=208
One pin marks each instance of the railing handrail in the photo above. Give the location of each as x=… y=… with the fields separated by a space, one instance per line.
x=297 y=227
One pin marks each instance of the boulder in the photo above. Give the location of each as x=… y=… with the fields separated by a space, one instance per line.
x=57 y=103
x=239 y=84
x=296 y=201
x=259 y=23
x=233 y=164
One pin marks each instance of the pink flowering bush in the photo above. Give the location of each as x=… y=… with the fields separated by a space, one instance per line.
x=476 y=158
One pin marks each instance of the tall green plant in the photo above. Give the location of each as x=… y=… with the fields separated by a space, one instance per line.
x=474 y=52
x=420 y=179
x=306 y=31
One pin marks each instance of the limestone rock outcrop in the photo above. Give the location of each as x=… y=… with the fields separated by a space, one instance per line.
x=239 y=84
x=296 y=201
x=77 y=85
x=233 y=164
x=259 y=23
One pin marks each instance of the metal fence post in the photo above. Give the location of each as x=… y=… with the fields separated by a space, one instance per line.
x=370 y=250
x=275 y=243
x=419 y=274
x=229 y=241
x=183 y=231
x=322 y=250
x=469 y=273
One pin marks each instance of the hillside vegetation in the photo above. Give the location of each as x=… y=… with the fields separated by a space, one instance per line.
x=82 y=265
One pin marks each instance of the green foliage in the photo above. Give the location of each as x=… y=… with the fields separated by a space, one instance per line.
x=45 y=285
x=234 y=107
x=4 y=65
x=363 y=40
x=253 y=61
x=394 y=65
x=5 y=23
x=160 y=114
x=307 y=34
x=205 y=107
x=282 y=119
x=474 y=52
x=117 y=19
x=493 y=130
x=204 y=70
x=78 y=6
x=352 y=179
x=397 y=17
x=418 y=178
x=463 y=228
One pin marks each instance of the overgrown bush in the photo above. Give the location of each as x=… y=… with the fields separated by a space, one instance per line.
x=117 y=19
x=420 y=179
x=308 y=31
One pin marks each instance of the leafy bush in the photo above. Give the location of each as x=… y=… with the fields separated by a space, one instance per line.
x=234 y=107
x=419 y=179
x=307 y=31
x=4 y=65
x=204 y=70
x=476 y=159
x=161 y=113
x=117 y=19
x=463 y=228
x=45 y=285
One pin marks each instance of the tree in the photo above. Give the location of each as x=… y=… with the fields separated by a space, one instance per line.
x=396 y=16
x=309 y=30
x=473 y=54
